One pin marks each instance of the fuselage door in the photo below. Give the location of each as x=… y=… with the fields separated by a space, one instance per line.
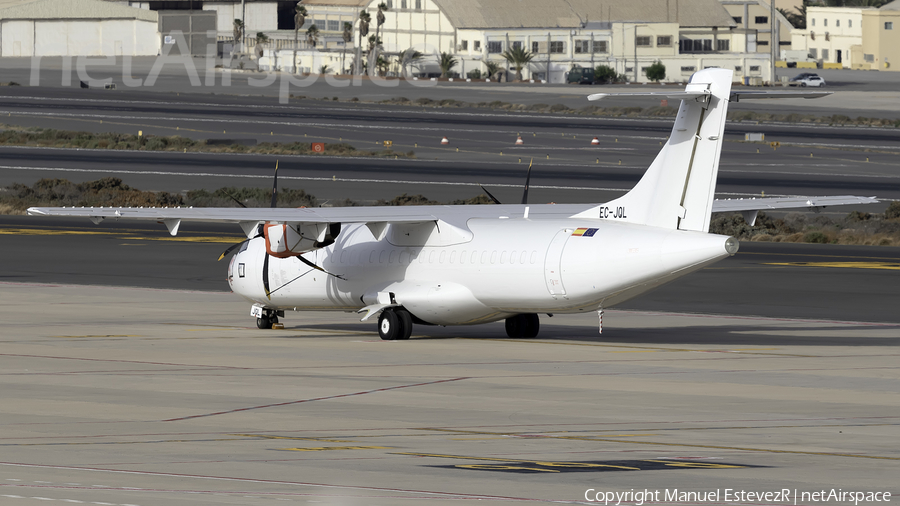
x=553 y=261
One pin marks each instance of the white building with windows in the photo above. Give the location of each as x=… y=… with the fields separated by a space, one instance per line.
x=753 y=18
x=685 y=35
x=831 y=34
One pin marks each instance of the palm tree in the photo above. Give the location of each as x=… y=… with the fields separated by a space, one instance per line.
x=518 y=57
x=382 y=8
x=299 y=20
x=379 y=18
x=446 y=62
x=238 y=32
x=261 y=39
x=492 y=68
x=382 y=65
x=348 y=37
x=364 y=20
x=409 y=57
x=324 y=69
x=312 y=35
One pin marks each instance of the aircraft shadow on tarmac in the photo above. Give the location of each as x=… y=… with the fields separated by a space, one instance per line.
x=713 y=335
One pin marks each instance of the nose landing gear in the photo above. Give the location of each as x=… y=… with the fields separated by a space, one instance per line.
x=267 y=318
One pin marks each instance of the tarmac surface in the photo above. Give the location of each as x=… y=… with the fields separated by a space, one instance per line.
x=135 y=396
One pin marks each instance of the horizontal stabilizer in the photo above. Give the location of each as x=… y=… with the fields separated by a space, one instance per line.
x=772 y=203
x=675 y=95
x=736 y=96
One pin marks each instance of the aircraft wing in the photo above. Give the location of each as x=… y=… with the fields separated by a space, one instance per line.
x=248 y=218
x=771 y=203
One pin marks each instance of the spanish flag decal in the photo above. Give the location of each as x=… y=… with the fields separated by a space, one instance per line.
x=585 y=232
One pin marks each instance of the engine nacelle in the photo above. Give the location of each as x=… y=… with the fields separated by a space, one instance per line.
x=284 y=240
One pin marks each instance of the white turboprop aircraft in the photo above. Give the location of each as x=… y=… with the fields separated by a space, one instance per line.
x=463 y=265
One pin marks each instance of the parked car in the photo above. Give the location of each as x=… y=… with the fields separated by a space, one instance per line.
x=580 y=75
x=807 y=79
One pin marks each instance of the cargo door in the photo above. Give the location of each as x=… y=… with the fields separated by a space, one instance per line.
x=553 y=261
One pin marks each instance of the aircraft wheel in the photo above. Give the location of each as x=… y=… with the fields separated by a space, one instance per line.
x=515 y=327
x=532 y=325
x=406 y=323
x=389 y=326
x=263 y=323
x=523 y=325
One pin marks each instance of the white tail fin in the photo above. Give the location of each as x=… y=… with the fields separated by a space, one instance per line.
x=677 y=190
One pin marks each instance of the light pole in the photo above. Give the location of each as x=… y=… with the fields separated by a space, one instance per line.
x=773 y=41
x=635 y=52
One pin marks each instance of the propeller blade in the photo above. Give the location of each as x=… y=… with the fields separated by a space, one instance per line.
x=230 y=249
x=275 y=187
x=527 y=182
x=265 y=276
x=236 y=200
x=316 y=267
x=489 y=195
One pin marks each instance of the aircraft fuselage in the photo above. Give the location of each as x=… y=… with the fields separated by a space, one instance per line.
x=486 y=271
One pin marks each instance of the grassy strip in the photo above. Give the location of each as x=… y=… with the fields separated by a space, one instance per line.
x=646 y=112
x=39 y=137
x=854 y=228
x=111 y=191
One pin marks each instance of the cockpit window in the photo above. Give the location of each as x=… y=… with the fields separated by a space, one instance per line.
x=244 y=246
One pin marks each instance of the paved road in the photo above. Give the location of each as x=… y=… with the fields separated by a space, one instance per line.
x=763 y=279
x=870 y=94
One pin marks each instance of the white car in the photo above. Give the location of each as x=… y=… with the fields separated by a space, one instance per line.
x=808 y=81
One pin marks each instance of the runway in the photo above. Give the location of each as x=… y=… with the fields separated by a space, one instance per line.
x=156 y=397
x=812 y=160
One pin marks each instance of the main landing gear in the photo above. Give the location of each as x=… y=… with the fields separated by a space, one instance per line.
x=523 y=325
x=269 y=317
x=395 y=324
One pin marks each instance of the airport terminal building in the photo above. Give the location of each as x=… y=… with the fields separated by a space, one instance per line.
x=685 y=36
